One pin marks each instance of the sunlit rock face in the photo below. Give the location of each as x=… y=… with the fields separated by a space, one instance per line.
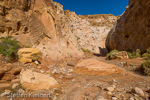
x=89 y=31
x=132 y=30
x=58 y=34
x=37 y=23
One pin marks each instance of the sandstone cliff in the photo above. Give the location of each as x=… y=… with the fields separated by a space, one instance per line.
x=87 y=32
x=58 y=34
x=37 y=23
x=132 y=30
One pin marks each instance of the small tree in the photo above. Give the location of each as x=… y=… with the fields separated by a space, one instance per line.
x=9 y=46
x=146 y=66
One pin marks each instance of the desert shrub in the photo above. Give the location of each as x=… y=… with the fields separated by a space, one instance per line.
x=94 y=23
x=9 y=47
x=27 y=46
x=148 y=50
x=146 y=66
x=135 y=54
x=130 y=54
x=85 y=50
x=78 y=38
x=147 y=54
x=112 y=53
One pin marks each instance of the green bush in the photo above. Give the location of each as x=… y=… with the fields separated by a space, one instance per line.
x=148 y=50
x=145 y=54
x=130 y=54
x=138 y=53
x=27 y=46
x=135 y=54
x=112 y=53
x=78 y=38
x=9 y=47
x=146 y=66
x=85 y=50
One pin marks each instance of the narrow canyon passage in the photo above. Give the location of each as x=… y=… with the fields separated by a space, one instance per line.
x=50 y=53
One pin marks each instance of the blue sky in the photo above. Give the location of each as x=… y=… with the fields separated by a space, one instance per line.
x=88 y=7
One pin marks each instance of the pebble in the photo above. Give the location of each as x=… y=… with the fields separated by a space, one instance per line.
x=110 y=89
x=135 y=98
x=21 y=91
x=54 y=71
x=100 y=98
x=123 y=63
x=36 y=62
x=131 y=98
x=117 y=90
x=116 y=95
x=114 y=98
x=39 y=67
x=14 y=86
x=109 y=93
x=42 y=71
x=138 y=91
x=114 y=80
x=70 y=70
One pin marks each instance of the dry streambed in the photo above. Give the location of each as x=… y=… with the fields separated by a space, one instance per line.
x=93 y=82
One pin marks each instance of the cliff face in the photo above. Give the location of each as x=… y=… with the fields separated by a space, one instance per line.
x=87 y=32
x=58 y=34
x=132 y=30
x=37 y=23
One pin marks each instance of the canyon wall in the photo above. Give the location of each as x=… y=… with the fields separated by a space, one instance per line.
x=132 y=30
x=58 y=34
x=87 y=32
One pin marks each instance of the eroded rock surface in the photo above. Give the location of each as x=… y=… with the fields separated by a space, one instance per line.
x=28 y=55
x=95 y=67
x=37 y=23
x=87 y=32
x=132 y=30
x=58 y=34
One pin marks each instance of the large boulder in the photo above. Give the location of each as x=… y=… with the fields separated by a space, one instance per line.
x=36 y=81
x=28 y=55
x=132 y=29
x=95 y=67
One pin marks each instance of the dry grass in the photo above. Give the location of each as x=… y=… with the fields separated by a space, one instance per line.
x=91 y=19
x=105 y=23
x=95 y=16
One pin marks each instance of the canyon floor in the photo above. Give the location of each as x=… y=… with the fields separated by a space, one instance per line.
x=75 y=86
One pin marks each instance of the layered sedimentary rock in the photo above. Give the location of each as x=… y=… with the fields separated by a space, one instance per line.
x=87 y=32
x=37 y=23
x=132 y=30
x=58 y=34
